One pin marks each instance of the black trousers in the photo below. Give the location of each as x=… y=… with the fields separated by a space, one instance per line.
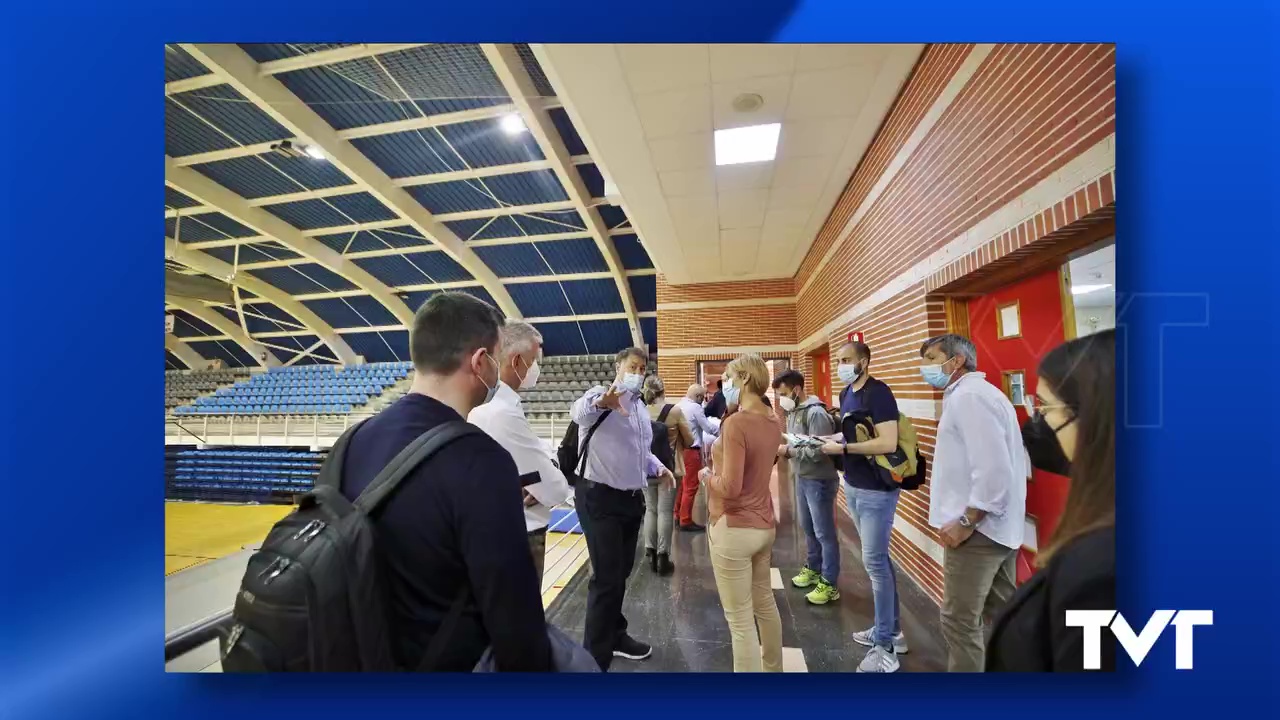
x=611 y=520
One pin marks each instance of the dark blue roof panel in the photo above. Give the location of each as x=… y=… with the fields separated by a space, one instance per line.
x=644 y=291
x=186 y=134
x=649 y=329
x=387 y=346
x=516 y=260
x=303 y=279
x=592 y=178
x=266 y=175
x=544 y=299
x=612 y=215
x=414 y=269
x=531 y=65
x=266 y=52
x=232 y=113
x=253 y=253
x=415 y=299
x=483 y=143
x=262 y=317
x=366 y=240
x=408 y=154
x=179 y=65
x=356 y=311
x=561 y=338
x=205 y=226
x=591 y=297
x=631 y=252
x=175 y=199
x=572 y=256
x=332 y=211
x=526 y=188
x=171 y=362
x=187 y=326
x=572 y=141
x=606 y=336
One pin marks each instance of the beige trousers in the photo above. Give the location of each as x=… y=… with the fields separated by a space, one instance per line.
x=741 y=559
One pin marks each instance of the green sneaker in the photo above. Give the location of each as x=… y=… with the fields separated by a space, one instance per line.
x=823 y=594
x=806 y=578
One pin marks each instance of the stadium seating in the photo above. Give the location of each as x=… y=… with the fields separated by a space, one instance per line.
x=308 y=389
x=183 y=386
x=239 y=475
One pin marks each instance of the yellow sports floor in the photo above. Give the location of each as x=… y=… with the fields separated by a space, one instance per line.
x=195 y=533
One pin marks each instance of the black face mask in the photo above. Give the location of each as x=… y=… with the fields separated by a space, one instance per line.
x=1043 y=446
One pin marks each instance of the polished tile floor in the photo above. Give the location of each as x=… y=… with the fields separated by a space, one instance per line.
x=682 y=618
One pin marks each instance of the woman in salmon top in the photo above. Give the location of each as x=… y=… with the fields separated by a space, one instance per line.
x=741 y=518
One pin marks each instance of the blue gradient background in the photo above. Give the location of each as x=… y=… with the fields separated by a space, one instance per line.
x=82 y=533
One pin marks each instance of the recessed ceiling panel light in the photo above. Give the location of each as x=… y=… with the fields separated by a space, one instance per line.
x=512 y=124
x=1086 y=289
x=315 y=152
x=756 y=143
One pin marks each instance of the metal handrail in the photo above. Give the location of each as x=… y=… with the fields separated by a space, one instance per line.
x=184 y=640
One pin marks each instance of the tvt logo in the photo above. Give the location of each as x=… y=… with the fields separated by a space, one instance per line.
x=1138 y=645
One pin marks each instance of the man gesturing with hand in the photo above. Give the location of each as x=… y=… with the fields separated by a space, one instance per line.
x=609 y=500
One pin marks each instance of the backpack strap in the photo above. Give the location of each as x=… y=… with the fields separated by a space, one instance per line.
x=416 y=453
x=666 y=410
x=331 y=470
x=586 y=443
x=432 y=655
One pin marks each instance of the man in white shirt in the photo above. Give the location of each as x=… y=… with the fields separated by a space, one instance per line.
x=704 y=434
x=977 y=495
x=503 y=419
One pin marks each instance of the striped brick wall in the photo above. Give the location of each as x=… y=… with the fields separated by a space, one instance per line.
x=990 y=155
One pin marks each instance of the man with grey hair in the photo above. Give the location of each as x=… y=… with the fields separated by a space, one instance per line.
x=977 y=495
x=503 y=419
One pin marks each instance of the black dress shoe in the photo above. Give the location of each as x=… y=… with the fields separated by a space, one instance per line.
x=692 y=527
x=663 y=564
x=651 y=556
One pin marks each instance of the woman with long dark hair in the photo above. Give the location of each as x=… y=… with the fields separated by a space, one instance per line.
x=1071 y=431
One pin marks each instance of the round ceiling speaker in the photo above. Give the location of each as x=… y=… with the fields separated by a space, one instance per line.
x=748 y=102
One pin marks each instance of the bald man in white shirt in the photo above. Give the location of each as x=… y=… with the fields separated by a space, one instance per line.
x=503 y=419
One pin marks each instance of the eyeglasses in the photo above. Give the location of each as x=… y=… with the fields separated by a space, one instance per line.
x=1035 y=406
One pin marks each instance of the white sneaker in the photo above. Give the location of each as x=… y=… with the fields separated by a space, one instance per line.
x=865 y=638
x=879 y=660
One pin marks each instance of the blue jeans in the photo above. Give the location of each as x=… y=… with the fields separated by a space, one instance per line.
x=817 y=505
x=873 y=512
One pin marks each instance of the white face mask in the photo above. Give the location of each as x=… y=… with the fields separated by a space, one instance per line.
x=530 y=378
x=786 y=403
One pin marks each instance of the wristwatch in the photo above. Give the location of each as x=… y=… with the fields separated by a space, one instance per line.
x=965 y=522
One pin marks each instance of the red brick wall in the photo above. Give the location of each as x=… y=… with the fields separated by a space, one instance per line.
x=1025 y=113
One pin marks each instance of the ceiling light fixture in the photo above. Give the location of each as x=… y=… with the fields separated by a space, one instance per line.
x=512 y=124
x=755 y=143
x=290 y=149
x=1086 y=289
x=314 y=152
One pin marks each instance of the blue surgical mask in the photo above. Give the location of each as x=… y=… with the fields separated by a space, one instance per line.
x=848 y=373
x=934 y=375
x=731 y=393
x=632 y=382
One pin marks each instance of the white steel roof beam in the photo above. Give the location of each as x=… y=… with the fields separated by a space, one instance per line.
x=510 y=69
x=184 y=352
x=262 y=357
x=273 y=98
x=202 y=189
x=513 y=240
x=289 y=64
x=266 y=292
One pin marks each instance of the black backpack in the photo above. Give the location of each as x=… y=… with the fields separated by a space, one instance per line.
x=567 y=453
x=314 y=598
x=661 y=444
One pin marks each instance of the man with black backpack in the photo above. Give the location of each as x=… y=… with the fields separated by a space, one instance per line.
x=452 y=536
x=612 y=467
x=873 y=499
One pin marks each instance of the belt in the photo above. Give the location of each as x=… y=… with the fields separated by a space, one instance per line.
x=637 y=491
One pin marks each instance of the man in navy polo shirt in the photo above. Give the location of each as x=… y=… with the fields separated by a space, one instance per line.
x=872 y=501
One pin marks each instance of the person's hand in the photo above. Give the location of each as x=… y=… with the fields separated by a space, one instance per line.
x=704 y=474
x=782 y=451
x=833 y=448
x=953 y=534
x=668 y=478
x=612 y=400
x=529 y=500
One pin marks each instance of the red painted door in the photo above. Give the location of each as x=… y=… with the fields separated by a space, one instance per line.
x=1006 y=348
x=821 y=382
